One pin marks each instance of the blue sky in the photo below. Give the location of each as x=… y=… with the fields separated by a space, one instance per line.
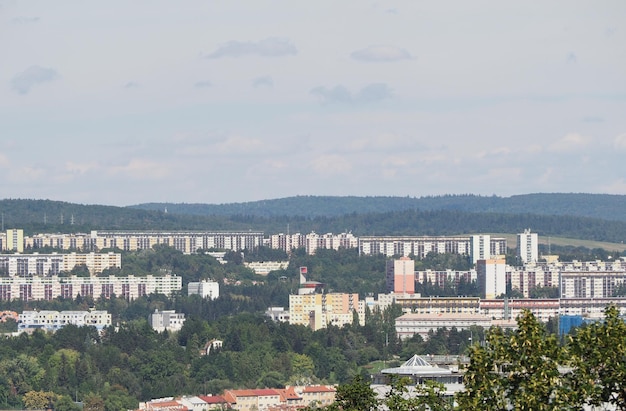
x=122 y=102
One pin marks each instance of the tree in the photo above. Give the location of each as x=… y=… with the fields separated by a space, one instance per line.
x=355 y=396
x=39 y=400
x=93 y=402
x=65 y=403
x=427 y=396
x=599 y=361
x=517 y=371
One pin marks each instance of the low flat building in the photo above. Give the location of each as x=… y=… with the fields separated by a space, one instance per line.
x=411 y=324
x=205 y=289
x=55 y=320
x=168 y=320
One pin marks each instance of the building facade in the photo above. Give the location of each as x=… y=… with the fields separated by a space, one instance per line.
x=28 y=265
x=527 y=247
x=49 y=288
x=491 y=276
x=205 y=289
x=54 y=320
x=400 y=275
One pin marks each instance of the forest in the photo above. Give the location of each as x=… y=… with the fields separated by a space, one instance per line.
x=130 y=362
x=37 y=216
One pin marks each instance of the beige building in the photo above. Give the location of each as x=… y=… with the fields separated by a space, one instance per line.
x=26 y=265
x=318 y=311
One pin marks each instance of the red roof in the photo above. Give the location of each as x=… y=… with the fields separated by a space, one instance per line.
x=212 y=399
x=318 y=388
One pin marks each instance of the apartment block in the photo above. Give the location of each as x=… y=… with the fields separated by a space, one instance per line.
x=49 y=288
x=400 y=275
x=28 y=265
x=491 y=276
x=54 y=320
x=318 y=311
x=168 y=320
x=205 y=289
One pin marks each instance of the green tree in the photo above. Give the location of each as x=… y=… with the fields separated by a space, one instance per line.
x=93 y=402
x=355 y=396
x=39 y=400
x=598 y=353
x=517 y=371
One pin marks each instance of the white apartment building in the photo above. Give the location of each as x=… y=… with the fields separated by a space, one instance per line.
x=524 y=279
x=54 y=320
x=420 y=246
x=205 y=289
x=590 y=284
x=166 y=320
x=440 y=277
x=312 y=242
x=49 y=288
x=411 y=324
x=265 y=267
x=528 y=247
x=28 y=265
x=187 y=242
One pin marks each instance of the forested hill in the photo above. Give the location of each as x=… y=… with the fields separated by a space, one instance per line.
x=603 y=206
x=36 y=216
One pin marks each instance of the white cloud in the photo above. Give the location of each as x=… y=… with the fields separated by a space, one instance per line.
x=202 y=84
x=80 y=168
x=140 y=169
x=620 y=142
x=381 y=53
x=270 y=47
x=34 y=75
x=371 y=93
x=261 y=81
x=331 y=164
x=570 y=142
x=25 y=20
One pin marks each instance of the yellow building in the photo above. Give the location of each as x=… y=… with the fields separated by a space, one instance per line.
x=321 y=310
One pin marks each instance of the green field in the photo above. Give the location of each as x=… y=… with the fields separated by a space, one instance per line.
x=511 y=240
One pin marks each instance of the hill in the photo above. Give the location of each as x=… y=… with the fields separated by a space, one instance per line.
x=602 y=206
x=36 y=216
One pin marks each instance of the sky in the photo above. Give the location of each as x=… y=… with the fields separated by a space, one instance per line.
x=128 y=102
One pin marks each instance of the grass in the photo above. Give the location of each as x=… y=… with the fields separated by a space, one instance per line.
x=511 y=240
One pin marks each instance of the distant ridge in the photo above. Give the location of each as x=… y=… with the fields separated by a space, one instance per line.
x=602 y=206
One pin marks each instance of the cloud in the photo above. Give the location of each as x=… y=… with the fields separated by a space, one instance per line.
x=571 y=58
x=239 y=145
x=4 y=161
x=24 y=81
x=202 y=84
x=330 y=164
x=261 y=81
x=570 y=142
x=371 y=93
x=80 y=168
x=620 y=142
x=25 y=20
x=140 y=169
x=381 y=53
x=270 y=47
x=338 y=94
x=131 y=85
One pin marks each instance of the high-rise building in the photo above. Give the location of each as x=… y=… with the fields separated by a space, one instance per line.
x=491 y=274
x=400 y=275
x=15 y=240
x=527 y=247
x=480 y=247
